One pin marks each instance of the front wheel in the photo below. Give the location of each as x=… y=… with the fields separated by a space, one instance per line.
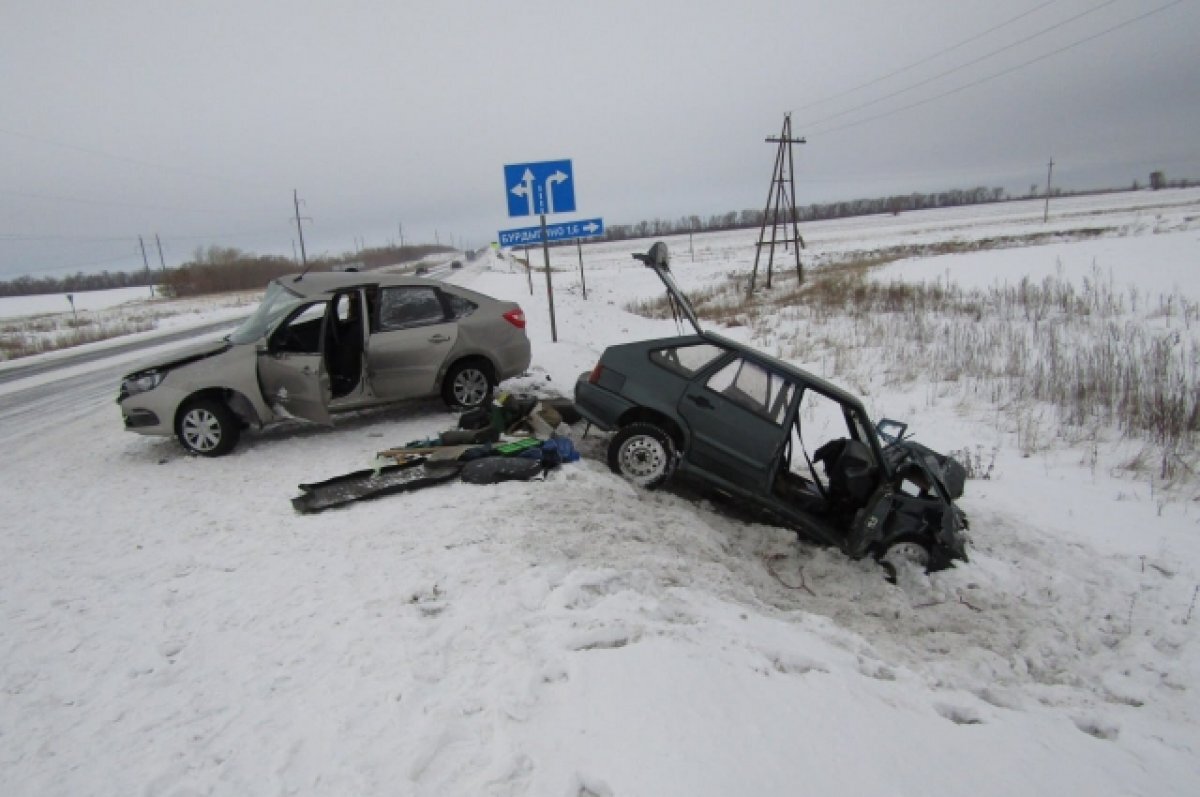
x=904 y=555
x=208 y=427
x=642 y=453
x=467 y=385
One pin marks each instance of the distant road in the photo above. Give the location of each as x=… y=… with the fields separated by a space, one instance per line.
x=47 y=402
x=93 y=355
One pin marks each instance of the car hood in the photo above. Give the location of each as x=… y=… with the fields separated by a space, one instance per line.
x=188 y=354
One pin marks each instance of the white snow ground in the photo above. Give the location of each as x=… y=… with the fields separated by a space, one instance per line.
x=170 y=627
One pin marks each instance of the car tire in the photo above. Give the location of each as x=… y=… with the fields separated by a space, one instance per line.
x=904 y=553
x=468 y=385
x=642 y=453
x=208 y=427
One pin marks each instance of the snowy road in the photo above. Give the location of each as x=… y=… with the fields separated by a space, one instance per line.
x=73 y=385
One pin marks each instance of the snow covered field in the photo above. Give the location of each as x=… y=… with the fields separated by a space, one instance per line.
x=170 y=627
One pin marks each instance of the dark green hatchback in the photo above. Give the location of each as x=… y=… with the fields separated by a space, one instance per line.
x=714 y=410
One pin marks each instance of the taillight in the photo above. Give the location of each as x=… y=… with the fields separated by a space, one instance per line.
x=516 y=318
x=594 y=379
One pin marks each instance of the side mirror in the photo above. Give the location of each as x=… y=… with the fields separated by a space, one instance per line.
x=657 y=257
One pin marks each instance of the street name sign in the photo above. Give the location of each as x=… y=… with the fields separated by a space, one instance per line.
x=564 y=231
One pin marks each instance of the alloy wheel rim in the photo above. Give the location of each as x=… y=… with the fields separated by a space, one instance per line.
x=470 y=387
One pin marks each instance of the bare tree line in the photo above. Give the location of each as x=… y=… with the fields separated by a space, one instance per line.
x=214 y=269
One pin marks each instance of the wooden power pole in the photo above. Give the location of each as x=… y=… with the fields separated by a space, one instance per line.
x=1049 y=172
x=780 y=197
x=146 y=263
x=300 y=230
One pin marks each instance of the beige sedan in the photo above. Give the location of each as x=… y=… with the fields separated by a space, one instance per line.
x=328 y=342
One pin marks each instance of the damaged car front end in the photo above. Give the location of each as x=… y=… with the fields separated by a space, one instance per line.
x=753 y=427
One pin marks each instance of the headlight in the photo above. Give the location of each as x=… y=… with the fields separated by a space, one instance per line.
x=141 y=382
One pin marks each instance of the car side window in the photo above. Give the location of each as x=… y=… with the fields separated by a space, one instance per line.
x=686 y=360
x=755 y=388
x=302 y=333
x=408 y=307
x=458 y=306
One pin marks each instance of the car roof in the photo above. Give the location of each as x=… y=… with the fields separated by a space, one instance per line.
x=799 y=374
x=319 y=283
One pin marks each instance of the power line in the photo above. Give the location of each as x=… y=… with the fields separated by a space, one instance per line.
x=109 y=202
x=81 y=239
x=1003 y=72
x=927 y=59
x=124 y=159
x=40 y=269
x=960 y=67
x=89 y=239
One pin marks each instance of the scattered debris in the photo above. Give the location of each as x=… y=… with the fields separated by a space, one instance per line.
x=475 y=451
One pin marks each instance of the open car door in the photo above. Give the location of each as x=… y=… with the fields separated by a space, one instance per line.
x=291 y=369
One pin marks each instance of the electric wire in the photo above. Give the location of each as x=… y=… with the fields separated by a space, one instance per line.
x=927 y=59
x=1001 y=73
x=123 y=158
x=107 y=202
x=962 y=66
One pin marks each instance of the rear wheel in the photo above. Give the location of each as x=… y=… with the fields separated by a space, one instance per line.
x=208 y=427
x=467 y=385
x=642 y=453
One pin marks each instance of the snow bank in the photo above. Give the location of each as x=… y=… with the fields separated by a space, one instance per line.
x=170 y=626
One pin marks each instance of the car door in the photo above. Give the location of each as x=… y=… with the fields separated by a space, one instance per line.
x=291 y=367
x=411 y=338
x=737 y=419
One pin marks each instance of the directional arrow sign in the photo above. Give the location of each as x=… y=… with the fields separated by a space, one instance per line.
x=523 y=236
x=536 y=188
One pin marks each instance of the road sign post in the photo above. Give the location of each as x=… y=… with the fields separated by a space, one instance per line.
x=549 y=285
x=538 y=189
x=582 y=281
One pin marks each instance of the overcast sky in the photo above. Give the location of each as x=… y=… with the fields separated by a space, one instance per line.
x=196 y=120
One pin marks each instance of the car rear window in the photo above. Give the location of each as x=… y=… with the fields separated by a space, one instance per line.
x=458 y=306
x=686 y=360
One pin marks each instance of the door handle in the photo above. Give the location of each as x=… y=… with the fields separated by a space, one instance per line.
x=701 y=401
x=438 y=338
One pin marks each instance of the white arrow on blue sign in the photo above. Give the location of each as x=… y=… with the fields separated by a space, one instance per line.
x=533 y=189
x=524 y=236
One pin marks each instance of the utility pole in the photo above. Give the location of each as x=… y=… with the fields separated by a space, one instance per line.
x=780 y=196
x=146 y=262
x=400 y=227
x=1049 y=171
x=300 y=229
x=161 y=261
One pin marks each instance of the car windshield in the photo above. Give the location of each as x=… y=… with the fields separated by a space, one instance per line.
x=278 y=302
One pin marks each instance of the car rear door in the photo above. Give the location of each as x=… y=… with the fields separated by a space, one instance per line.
x=291 y=367
x=737 y=419
x=411 y=337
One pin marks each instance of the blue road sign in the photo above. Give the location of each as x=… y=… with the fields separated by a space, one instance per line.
x=536 y=188
x=587 y=228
